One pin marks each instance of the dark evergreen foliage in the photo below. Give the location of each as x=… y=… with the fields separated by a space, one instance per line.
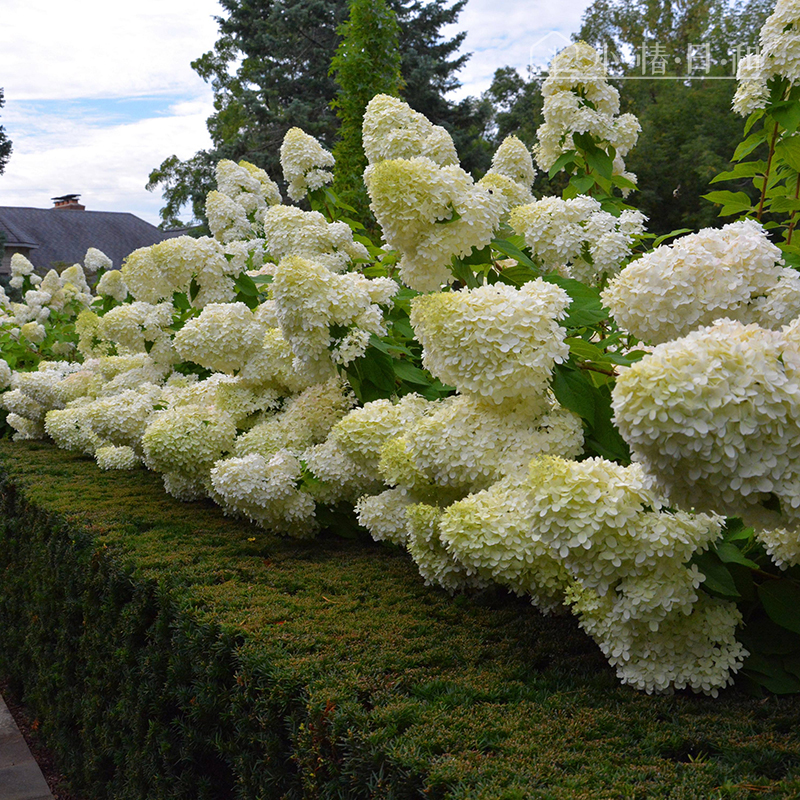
x=5 y=142
x=284 y=80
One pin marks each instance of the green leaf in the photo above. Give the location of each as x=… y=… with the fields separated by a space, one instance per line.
x=511 y=250
x=597 y=158
x=788 y=151
x=718 y=579
x=670 y=235
x=784 y=204
x=582 y=183
x=781 y=600
x=411 y=374
x=519 y=275
x=749 y=144
x=771 y=675
x=464 y=273
x=261 y=280
x=730 y=199
x=586 y=308
x=623 y=183
x=585 y=351
x=745 y=169
x=561 y=162
x=752 y=119
x=729 y=553
x=761 y=635
x=786 y=113
x=575 y=392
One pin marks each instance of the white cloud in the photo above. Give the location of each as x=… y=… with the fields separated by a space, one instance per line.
x=504 y=34
x=107 y=165
x=103 y=49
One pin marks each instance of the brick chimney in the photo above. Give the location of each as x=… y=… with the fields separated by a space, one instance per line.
x=68 y=201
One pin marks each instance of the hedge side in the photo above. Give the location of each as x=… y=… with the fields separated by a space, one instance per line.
x=170 y=652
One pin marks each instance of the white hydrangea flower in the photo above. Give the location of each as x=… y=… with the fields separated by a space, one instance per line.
x=112 y=284
x=71 y=429
x=121 y=419
x=579 y=99
x=304 y=421
x=33 y=332
x=697 y=650
x=154 y=273
x=577 y=233
x=780 y=41
x=21 y=267
x=111 y=457
x=24 y=428
x=309 y=299
x=132 y=325
x=305 y=163
x=95 y=260
x=265 y=491
x=436 y=564
x=496 y=341
x=491 y=534
x=733 y=272
x=714 y=418
x=222 y=338
x=751 y=91
x=466 y=445
x=384 y=515
x=392 y=129
x=16 y=402
x=247 y=184
x=5 y=374
x=188 y=440
x=430 y=214
x=290 y=231
x=339 y=477
x=227 y=218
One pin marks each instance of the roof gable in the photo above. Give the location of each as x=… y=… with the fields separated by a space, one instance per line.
x=64 y=235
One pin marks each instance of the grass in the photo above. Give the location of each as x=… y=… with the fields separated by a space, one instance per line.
x=325 y=668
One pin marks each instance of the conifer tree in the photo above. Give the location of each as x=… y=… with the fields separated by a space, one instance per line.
x=367 y=62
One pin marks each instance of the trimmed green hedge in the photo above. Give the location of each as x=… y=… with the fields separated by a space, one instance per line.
x=170 y=652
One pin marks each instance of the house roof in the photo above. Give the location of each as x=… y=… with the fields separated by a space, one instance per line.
x=64 y=235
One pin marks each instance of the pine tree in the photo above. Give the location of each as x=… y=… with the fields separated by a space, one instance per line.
x=5 y=142
x=285 y=48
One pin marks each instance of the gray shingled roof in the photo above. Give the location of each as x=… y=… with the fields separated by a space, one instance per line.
x=64 y=235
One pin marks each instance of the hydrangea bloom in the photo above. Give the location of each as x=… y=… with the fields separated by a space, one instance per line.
x=732 y=272
x=121 y=419
x=466 y=445
x=222 y=338
x=132 y=325
x=714 y=417
x=154 y=273
x=751 y=91
x=227 y=218
x=71 y=429
x=112 y=284
x=95 y=260
x=494 y=341
x=188 y=440
x=579 y=99
x=265 y=491
x=430 y=214
x=578 y=233
x=305 y=163
x=436 y=564
x=512 y=173
x=289 y=231
x=780 y=41
x=492 y=535
x=111 y=457
x=392 y=129
x=309 y=299
x=247 y=184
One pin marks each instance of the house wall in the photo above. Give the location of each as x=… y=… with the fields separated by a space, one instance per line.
x=5 y=265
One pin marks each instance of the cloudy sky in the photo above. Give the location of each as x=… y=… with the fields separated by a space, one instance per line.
x=96 y=99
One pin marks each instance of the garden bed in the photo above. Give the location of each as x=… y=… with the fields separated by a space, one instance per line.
x=171 y=652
